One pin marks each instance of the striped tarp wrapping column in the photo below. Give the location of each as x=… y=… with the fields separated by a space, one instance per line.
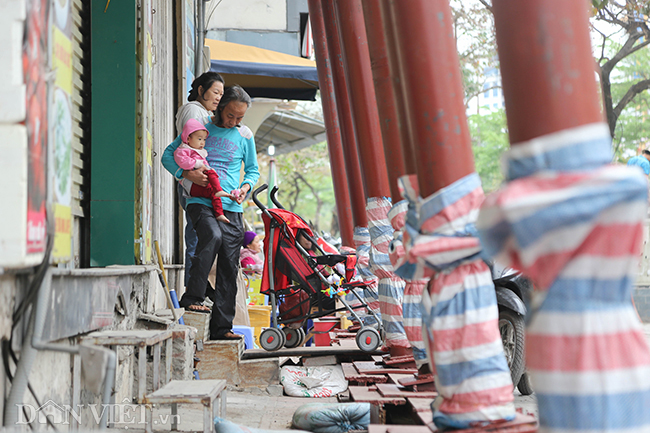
x=361 y=240
x=412 y=311
x=573 y=224
x=390 y=286
x=459 y=309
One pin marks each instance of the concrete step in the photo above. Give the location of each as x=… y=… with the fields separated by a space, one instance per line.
x=221 y=359
x=200 y=321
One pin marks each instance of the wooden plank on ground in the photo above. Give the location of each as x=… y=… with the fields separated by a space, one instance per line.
x=420 y=404
x=352 y=375
x=396 y=377
x=393 y=390
x=388 y=370
x=362 y=394
x=416 y=380
x=367 y=365
x=426 y=417
x=399 y=360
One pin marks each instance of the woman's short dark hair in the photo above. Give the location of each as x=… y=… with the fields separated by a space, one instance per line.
x=233 y=93
x=205 y=80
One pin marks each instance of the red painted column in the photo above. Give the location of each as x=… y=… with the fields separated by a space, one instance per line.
x=408 y=150
x=433 y=86
x=334 y=144
x=386 y=106
x=358 y=74
x=352 y=167
x=546 y=93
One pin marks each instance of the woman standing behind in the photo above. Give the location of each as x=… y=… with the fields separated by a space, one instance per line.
x=204 y=98
x=229 y=145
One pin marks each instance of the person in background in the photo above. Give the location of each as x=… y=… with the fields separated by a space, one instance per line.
x=642 y=161
x=250 y=257
x=207 y=90
x=229 y=145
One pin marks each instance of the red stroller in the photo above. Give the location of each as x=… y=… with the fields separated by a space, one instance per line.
x=298 y=284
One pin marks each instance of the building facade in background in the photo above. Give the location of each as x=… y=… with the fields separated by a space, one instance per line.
x=89 y=91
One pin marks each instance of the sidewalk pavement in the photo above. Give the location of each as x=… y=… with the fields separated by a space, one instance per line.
x=264 y=411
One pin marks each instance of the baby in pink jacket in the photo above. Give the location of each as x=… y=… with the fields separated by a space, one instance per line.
x=191 y=155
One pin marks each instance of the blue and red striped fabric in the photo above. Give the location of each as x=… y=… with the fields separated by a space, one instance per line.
x=573 y=223
x=369 y=294
x=411 y=309
x=390 y=287
x=460 y=311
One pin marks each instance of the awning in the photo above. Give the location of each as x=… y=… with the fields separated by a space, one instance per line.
x=264 y=73
x=288 y=131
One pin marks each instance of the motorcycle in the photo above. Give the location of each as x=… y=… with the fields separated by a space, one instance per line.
x=513 y=292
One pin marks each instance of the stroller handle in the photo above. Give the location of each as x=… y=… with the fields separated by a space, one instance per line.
x=275 y=200
x=257 y=202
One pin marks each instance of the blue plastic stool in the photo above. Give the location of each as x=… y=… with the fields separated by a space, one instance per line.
x=247 y=332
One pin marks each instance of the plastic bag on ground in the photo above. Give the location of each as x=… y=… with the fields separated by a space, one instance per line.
x=323 y=381
x=332 y=417
x=224 y=426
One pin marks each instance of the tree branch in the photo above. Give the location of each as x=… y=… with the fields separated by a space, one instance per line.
x=639 y=46
x=625 y=51
x=473 y=95
x=630 y=94
x=487 y=5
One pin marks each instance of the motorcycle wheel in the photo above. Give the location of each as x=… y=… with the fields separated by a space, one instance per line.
x=525 y=386
x=511 y=327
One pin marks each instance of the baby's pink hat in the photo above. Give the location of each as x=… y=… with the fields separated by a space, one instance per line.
x=191 y=126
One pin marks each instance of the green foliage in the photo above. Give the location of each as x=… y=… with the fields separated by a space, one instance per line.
x=305 y=184
x=633 y=125
x=489 y=141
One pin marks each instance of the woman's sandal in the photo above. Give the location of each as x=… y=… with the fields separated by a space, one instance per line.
x=198 y=308
x=228 y=336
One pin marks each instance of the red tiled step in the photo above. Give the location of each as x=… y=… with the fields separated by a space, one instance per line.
x=353 y=375
x=363 y=394
x=393 y=390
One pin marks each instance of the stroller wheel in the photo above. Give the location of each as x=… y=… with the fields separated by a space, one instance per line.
x=303 y=336
x=368 y=339
x=272 y=339
x=293 y=337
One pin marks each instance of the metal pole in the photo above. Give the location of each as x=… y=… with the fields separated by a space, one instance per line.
x=392 y=54
x=433 y=84
x=358 y=75
x=334 y=143
x=543 y=92
x=388 y=119
x=352 y=167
